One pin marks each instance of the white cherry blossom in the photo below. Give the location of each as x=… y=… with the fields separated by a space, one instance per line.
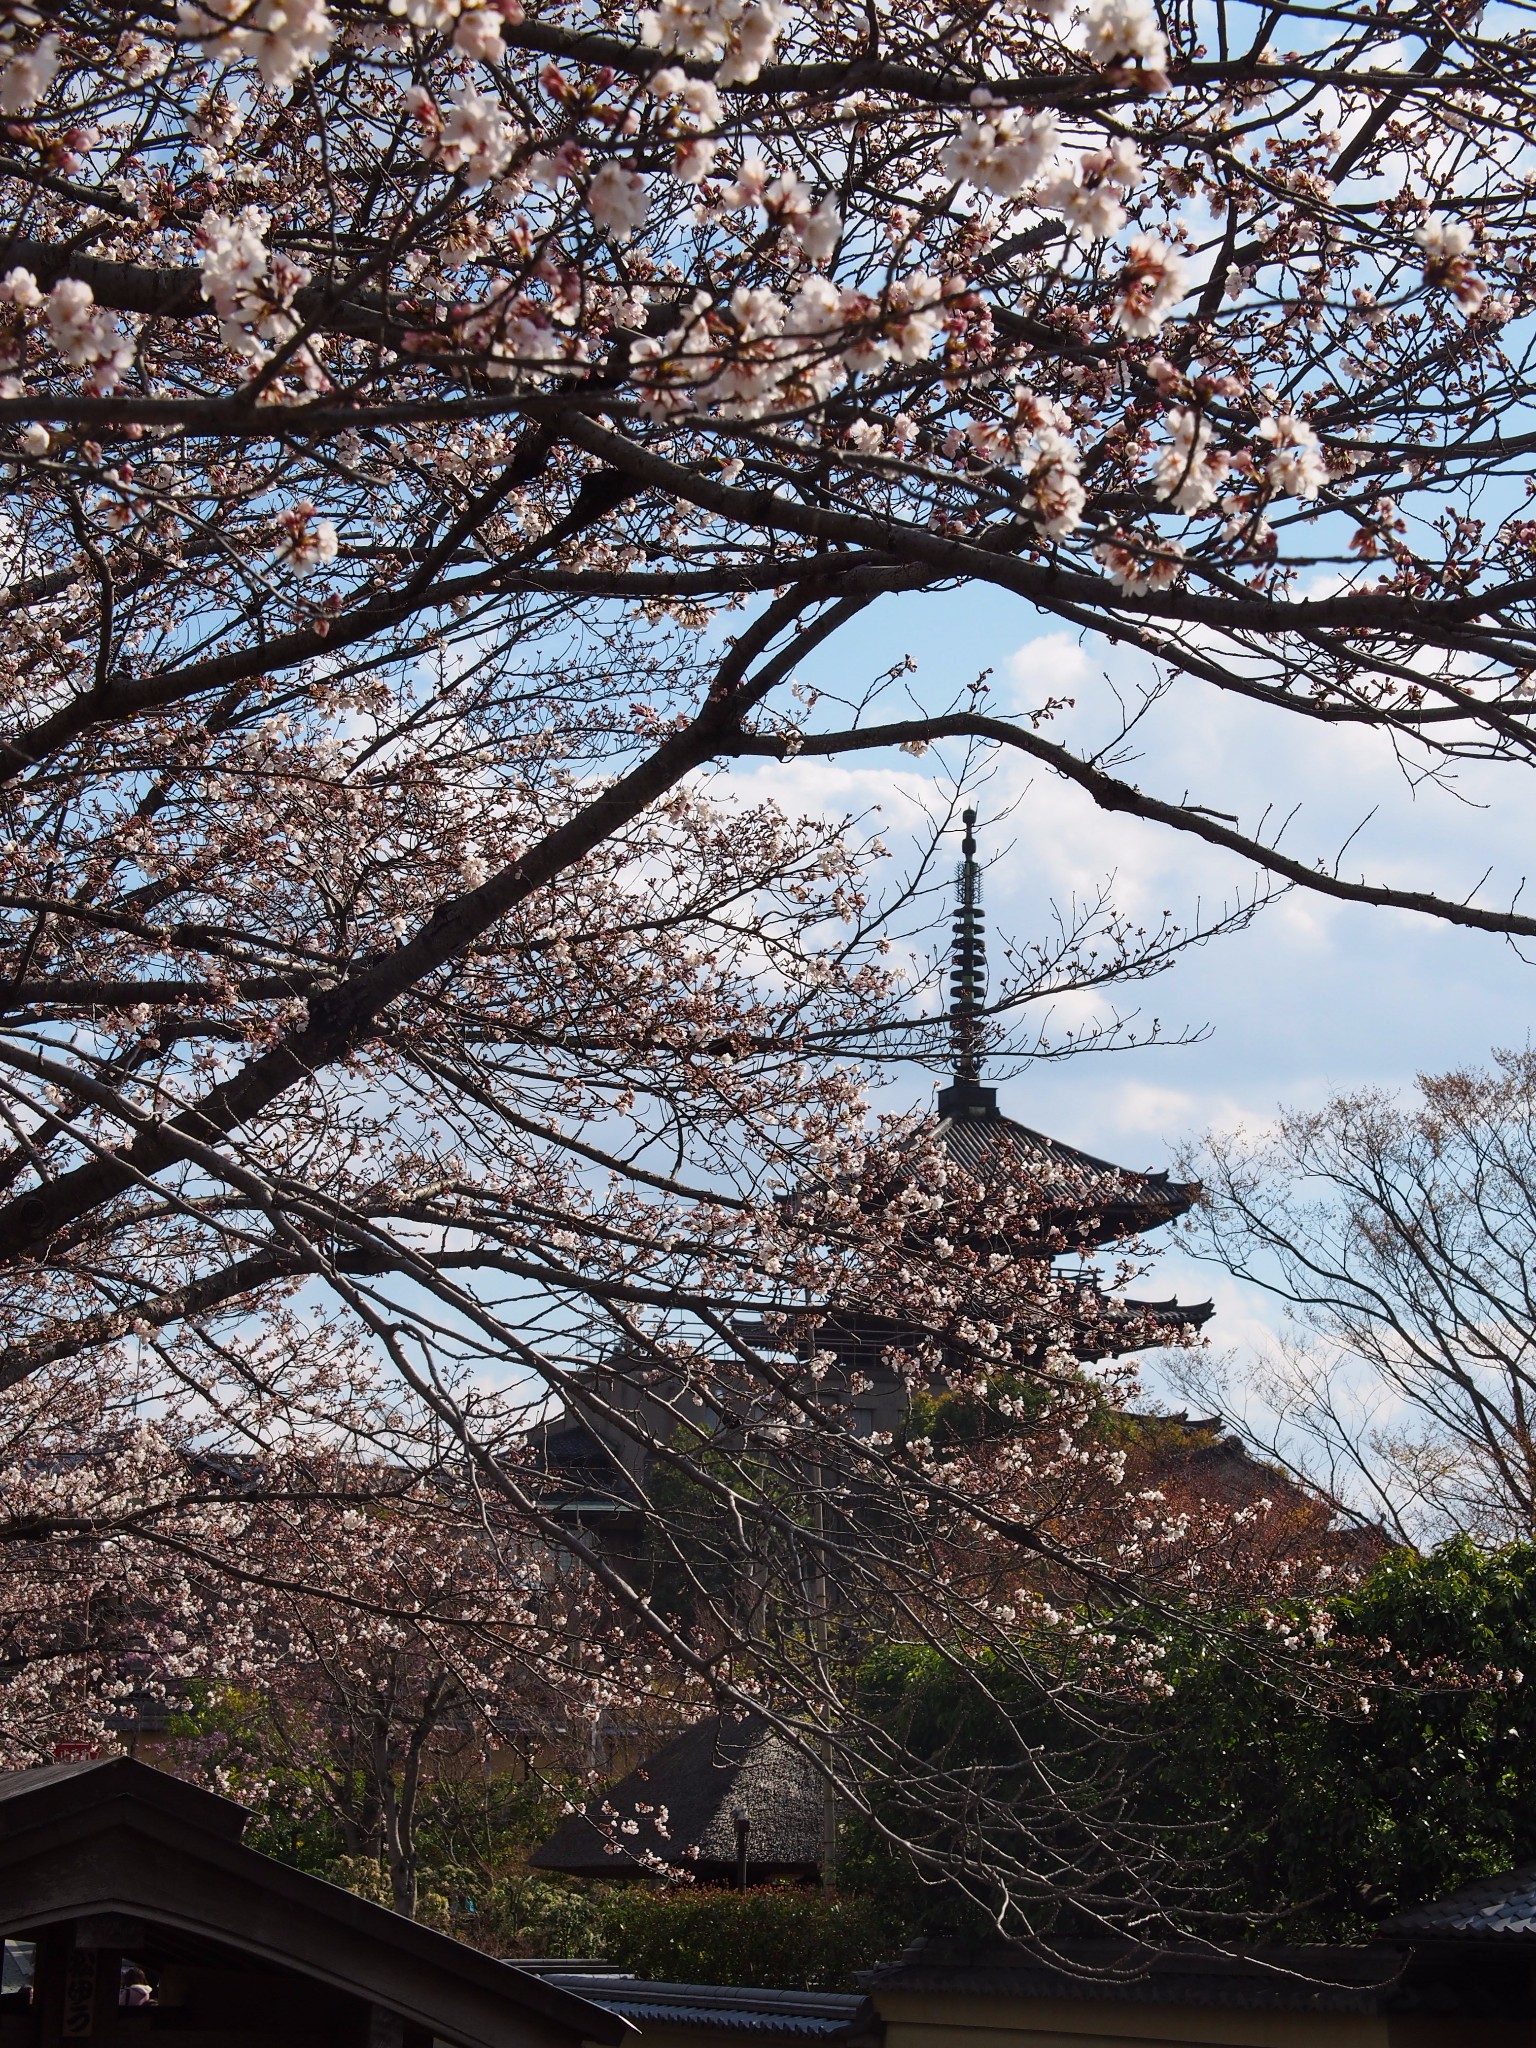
x=139 y=59
x=750 y=184
x=1153 y=282
x=1297 y=467
x=86 y=335
x=252 y=290
x=701 y=100
x=1001 y=153
x=1125 y=32
x=1190 y=473
x=1447 y=261
x=818 y=234
x=434 y=17
x=472 y=134
x=282 y=37
x=753 y=36
x=25 y=79
x=19 y=288
x=693 y=28
x=1039 y=442
x=305 y=543
x=740 y=34
x=1089 y=191
x=479 y=36
x=1138 y=564
x=617 y=200
x=919 y=302
x=694 y=159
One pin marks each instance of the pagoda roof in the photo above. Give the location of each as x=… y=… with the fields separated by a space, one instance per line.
x=1072 y=1200
x=1076 y=1197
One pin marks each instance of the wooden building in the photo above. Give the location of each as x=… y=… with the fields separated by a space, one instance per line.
x=133 y=1914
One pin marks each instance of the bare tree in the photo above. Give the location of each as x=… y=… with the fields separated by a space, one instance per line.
x=1400 y=1232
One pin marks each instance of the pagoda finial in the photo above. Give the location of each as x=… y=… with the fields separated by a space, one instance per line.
x=968 y=962
x=967 y=987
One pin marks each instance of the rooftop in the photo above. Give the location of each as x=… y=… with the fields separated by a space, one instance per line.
x=1502 y=1908
x=1078 y=1200
x=784 y=2015
x=1076 y=1197
x=1382 y=1977
x=716 y=1775
x=114 y=1855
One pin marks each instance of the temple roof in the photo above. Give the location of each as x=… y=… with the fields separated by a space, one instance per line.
x=114 y=1855
x=705 y=2009
x=1086 y=1200
x=1079 y=1201
x=1502 y=1907
x=1333 y=1979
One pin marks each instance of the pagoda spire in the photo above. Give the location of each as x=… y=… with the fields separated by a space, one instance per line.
x=965 y=1096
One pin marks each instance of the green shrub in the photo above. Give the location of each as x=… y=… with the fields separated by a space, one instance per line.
x=1405 y=1768
x=774 y=1935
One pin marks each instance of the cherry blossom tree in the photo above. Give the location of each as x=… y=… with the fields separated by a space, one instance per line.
x=129 y=1500
x=160 y=1498
x=400 y=1639
x=296 y=1597
x=439 y=437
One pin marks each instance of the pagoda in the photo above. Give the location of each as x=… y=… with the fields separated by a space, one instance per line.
x=1053 y=1202
x=1078 y=1202
x=1059 y=1203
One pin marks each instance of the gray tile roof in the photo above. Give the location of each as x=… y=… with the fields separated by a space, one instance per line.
x=812 y=2016
x=1068 y=1187
x=1503 y=1906
x=1298 y=1979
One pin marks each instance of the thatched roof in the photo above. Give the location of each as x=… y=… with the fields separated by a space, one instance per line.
x=703 y=1780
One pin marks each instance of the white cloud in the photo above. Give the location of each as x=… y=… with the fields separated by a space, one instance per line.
x=1316 y=996
x=1048 y=665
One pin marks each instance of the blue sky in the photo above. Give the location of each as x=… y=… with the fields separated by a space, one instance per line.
x=1315 y=996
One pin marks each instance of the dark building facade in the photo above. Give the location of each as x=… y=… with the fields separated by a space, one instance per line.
x=132 y=1913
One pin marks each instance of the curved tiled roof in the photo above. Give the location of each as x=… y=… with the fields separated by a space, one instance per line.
x=1297 y=1979
x=815 y=2016
x=1503 y=1906
x=1085 y=1199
